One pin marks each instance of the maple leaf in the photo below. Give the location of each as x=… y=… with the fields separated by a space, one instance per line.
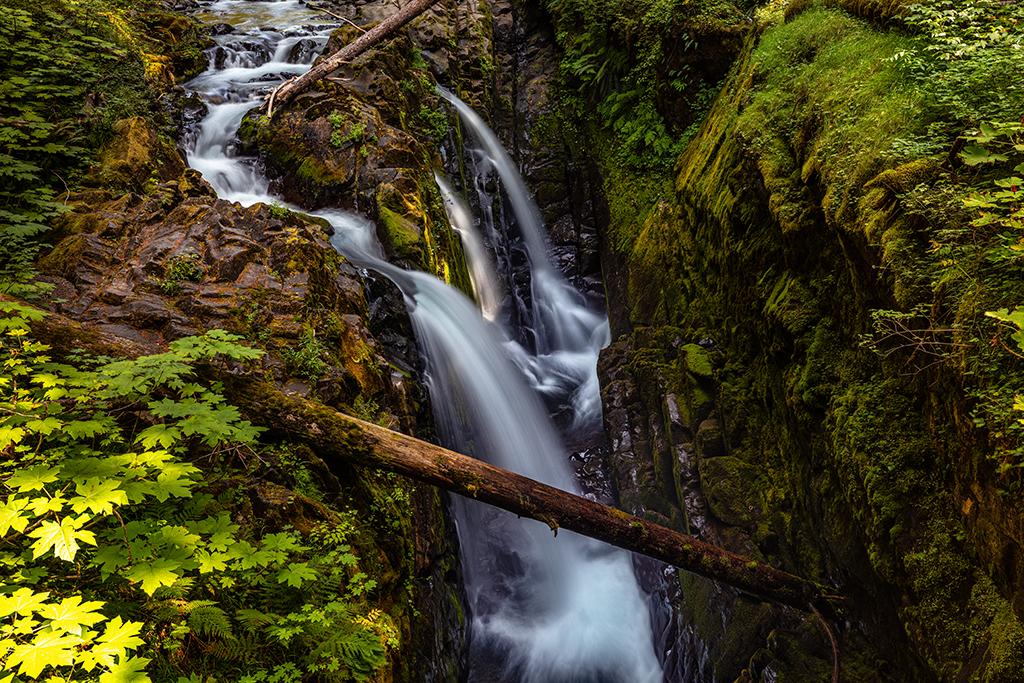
x=62 y=538
x=155 y=574
x=118 y=637
x=71 y=614
x=49 y=648
x=11 y=516
x=211 y=562
x=296 y=574
x=131 y=670
x=23 y=601
x=32 y=478
x=99 y=496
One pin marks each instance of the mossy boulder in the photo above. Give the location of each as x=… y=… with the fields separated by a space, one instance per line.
x=137 y=157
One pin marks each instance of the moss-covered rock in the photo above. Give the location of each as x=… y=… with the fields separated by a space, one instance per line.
x=792 y=221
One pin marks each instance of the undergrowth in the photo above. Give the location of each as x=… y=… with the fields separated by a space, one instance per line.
x=126 y=553
x=68 y=72
x=642 y=66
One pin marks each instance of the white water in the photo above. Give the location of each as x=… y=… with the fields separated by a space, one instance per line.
x=568 y=336
x=554 y=610
x=565 y=608
x=486 y=287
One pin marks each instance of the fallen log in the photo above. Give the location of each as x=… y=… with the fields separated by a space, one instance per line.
x=382 y=31
x=334 y=435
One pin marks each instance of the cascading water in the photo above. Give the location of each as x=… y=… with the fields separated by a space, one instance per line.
x=481 y=269
x=567 y=335
x=546 y=609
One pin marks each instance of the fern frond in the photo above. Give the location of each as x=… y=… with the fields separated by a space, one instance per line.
x=210 y=621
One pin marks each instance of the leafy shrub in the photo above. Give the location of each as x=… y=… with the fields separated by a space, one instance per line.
x=180 y=268
x=306 y=358
x=629 y=61
x=116 y=562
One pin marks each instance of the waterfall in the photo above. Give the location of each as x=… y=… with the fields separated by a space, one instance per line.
x=567 y=334
x=545 y=609
x=562 y=608
x=481 y=271
x=561 y=320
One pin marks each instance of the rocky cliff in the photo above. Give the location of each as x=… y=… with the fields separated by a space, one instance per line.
x=759 y=392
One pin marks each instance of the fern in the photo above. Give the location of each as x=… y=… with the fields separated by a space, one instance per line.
x=209 y=621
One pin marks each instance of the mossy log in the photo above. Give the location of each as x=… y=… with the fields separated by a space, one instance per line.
x=334 y=435
x=382 y=31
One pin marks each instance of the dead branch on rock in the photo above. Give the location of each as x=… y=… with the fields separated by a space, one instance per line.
x=382 y=31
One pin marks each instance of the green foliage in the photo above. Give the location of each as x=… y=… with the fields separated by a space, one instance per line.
x=435 y=122
x=968 y=59
x=996 y=147
x=343 y=132
x=306 y=358
x=55 y=58
x=180 y=268
x=627 y=59
x=116 y=563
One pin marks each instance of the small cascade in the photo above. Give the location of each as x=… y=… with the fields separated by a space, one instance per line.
x=485 y=283
x=545 y=609
x=567 y=334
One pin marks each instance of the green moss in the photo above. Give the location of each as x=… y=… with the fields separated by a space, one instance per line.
x=730 y=487
x=403 y=234
x=180 y=268
x=828 y=106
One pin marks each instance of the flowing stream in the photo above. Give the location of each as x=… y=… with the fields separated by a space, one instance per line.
x=545 y=609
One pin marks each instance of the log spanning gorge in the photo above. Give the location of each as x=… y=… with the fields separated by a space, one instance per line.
x=544 y=608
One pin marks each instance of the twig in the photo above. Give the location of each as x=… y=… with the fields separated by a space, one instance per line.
x=831 y=639
x=273 y=95
x=67 y=190
x=328 y=12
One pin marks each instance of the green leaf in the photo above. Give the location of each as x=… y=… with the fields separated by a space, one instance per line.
x=159 y=435
x=23 y=601
x=211 y=562
x=33 y=478
x=1015 y=317
x=11 y=516
x=99 y=496
x=61 y=537
x=45 y=426
x=71 y=614
x=158 y=573
x=976 y=155
x=131 y=670
x=86 y=429
x=295 y=574
x=118 y=638
x=10 y=435
x=49 y=648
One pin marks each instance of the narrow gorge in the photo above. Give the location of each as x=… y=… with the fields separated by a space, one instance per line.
x=746 y=269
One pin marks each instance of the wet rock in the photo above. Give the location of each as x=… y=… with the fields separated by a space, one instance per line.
x=303 y=51
x=728 y=485
x=710 y=441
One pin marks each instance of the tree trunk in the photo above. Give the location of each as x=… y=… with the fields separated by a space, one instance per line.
x=334 y=435
x=382 y=31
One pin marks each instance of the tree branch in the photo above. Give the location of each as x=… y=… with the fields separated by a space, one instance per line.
x=382 y=31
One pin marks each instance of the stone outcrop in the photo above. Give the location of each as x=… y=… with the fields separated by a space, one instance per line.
x=793 y=440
